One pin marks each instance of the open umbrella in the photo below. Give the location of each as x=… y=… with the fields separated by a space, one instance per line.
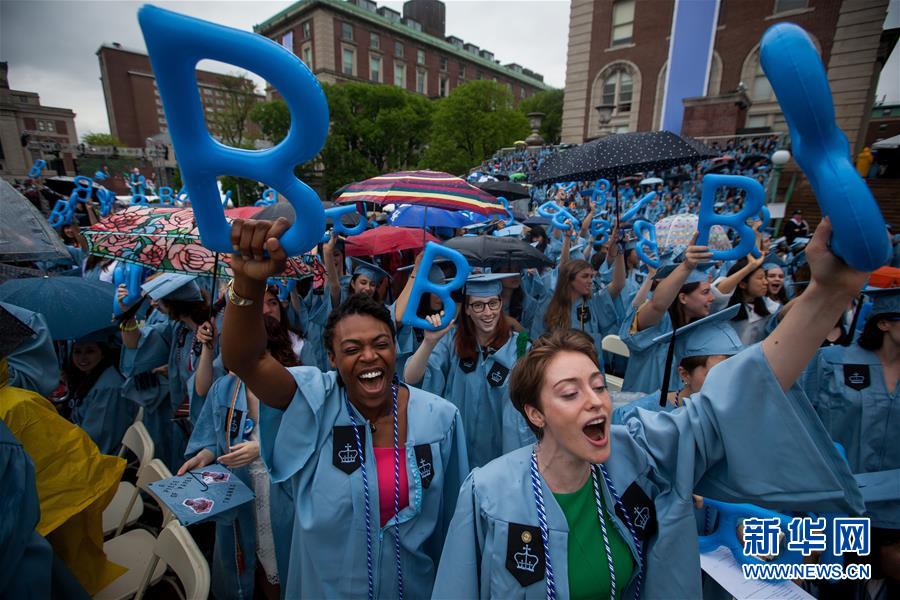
x=500 y=254
x=678 y=230
x=507 y=189
x=167 y=239
x=25 y=235
x=427 y=188
x=651 y=181
x=622 y=154
x=73 y=307
x=414 y=215
x=385 y=239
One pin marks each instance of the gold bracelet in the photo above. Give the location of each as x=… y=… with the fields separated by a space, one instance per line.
x=124 y=327
x=234 y=298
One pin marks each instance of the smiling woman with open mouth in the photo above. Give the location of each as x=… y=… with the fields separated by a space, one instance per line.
x=373 y=466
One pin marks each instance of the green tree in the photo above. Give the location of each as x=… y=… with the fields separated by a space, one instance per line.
x=474 y=121
x=231 y=125
x=100 y=139
x=549 y=102
x=374 y=129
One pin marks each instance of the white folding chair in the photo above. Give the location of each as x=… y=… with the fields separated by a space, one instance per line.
x=134 y=549
x=176 y=547
x=615 y=345
x=126 y=507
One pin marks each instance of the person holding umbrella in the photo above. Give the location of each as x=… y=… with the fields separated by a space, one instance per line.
x=373 y=465
x=470 y=367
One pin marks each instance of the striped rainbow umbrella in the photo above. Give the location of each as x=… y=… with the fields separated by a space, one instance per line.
x=432 y=189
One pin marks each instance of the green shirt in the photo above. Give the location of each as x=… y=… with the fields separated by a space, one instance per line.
x=588 y=566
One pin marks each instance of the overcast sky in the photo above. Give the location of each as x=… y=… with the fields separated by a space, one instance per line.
x=51 y=45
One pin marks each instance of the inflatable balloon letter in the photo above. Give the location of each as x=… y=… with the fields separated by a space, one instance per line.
x=646 y=245
x=753 y=203
x=423 y=286
x=175 y=44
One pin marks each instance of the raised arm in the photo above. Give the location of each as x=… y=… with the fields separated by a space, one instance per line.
x=333 y=278
x=243 y=329
x=644 y=290
x=403 y=299
x=667 y=290
x=833 y=285
x=618 y=280
x=414 y=372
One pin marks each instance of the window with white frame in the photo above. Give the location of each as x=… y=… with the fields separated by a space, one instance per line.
x=375 y=68
x=462 y=70
x=400 y=74
x=443 y=86
x=398 y=49
x=420 y=57
x=306 y=29
x=762 y=89
x=754 y=121
x=617 y=88
x=347 y=32
x=306 y=55
x=623 y=22
x=444 y=63
x=348 y=61
x=374 y=41
x=421 y=81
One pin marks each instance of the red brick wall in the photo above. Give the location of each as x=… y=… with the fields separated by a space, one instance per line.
x=710 y=119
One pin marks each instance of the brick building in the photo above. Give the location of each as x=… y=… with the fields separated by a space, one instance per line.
x=618 y=51
x=30 y=131
x=356 y=40
x=133 y=105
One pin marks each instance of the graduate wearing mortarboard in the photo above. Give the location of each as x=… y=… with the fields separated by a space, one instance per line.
x=172 y=343
x=469 y=365
x=373 y=465
x=605 y=511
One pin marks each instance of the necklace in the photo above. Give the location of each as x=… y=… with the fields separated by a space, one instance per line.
x=370 y=572
x=545 y=532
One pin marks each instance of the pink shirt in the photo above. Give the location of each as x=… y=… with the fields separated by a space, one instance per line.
x=384 y=461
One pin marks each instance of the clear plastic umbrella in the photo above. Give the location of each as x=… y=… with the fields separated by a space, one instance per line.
x=677 y=231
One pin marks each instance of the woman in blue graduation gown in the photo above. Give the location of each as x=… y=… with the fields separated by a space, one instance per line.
x=682 y=295
x=753 y=320
x=732 y=441
x=373 y=466
x=856 y=393
x=469 y=364
x=33 y=364
x=171 y=343
x=408 y=337
x=95 y=389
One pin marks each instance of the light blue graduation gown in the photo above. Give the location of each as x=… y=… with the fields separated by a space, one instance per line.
x=647 y=360
x=313 y=315
x=104 y=413
x=236 y=529
x=33 y=364
x=650 y=402
x=480 y=390
x=733 y=442
x=597 y=316
x=328 y=548
x=406 y=339
x=847 y=388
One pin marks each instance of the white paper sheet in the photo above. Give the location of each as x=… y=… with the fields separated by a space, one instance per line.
x=721 y=566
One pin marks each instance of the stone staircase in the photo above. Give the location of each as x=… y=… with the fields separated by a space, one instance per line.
x=886 y=192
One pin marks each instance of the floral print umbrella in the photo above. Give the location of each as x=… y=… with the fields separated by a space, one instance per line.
x=167 y=239
x=675 y=232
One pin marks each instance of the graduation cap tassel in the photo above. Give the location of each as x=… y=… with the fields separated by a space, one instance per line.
x=859 y=304
x=667 y=374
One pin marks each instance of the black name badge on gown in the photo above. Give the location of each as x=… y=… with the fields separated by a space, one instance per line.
x=584 y=313
x=467 y=365
x=234 y=427
x=641 y=511
x=345 y=454
x=497 y=375
x=857 y=377
x=425 y=463
x=525 y=558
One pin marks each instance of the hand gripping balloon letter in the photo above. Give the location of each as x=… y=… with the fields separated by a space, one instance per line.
x=600 y=229
x=646 y=245
x=423 y=286
x=132 y=276
x=753 y=203
x=175 y=44
x=598 y=194
x=37 y=168
x=634 y=210
x=792 y=65
x=335 y=214
x=558 y=215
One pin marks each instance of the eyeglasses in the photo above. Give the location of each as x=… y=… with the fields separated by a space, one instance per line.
x=478 y=307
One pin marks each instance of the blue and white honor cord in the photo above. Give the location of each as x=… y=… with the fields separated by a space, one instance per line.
x=545 y=533
x=370 y=572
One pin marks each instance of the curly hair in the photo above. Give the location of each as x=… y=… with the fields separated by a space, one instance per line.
x=527 y=377
x=357 y=304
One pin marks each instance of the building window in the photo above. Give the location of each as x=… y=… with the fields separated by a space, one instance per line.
x=443 y=86
x=347 y=32
x=374 y=41
x=444 y=63
x=754 y=121
x=207 y=91
x=306 y=29
x=400 y=75
x=307 y=55
x=348 y=58
x=47 y=126
x=375 y=68
x=287 y=40
x=420 y=57
x=398 y=49
x=617 y=91
x=521 y=93
x=623 y=22
x=762 y=90
x=786 y=5
x=462 y=71
x=421 y=80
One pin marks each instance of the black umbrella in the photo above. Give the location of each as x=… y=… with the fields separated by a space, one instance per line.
x=500 y=254
x=507 y=189
x=25 y=235
x=63 y=185
x=622 y=154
